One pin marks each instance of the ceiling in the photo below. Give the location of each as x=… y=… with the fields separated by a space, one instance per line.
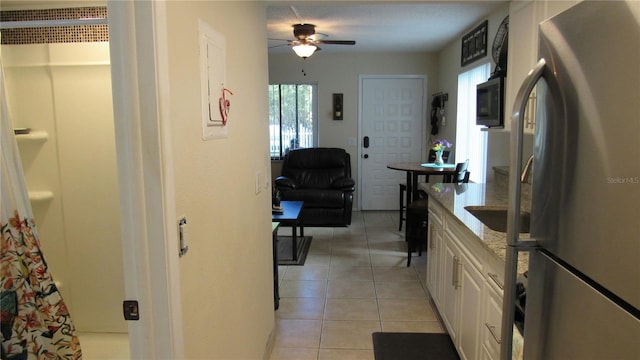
x=380 y=26
x=375 y=25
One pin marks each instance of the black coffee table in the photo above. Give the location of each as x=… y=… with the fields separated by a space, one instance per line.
x=291 y=216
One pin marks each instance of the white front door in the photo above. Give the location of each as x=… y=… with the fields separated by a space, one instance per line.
x=392 y=114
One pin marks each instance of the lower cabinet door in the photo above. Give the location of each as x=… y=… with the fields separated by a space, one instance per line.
x=449 y=301
x=434 y=266
x=471 y=284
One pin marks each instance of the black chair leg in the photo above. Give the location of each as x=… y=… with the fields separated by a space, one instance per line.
x=409 y=251
x=403 y=189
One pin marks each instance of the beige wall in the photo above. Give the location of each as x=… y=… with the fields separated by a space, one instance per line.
x=339 y=73
x=448 y=71
x=226 y=277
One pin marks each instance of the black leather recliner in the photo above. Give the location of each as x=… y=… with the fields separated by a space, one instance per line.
x=321 y=177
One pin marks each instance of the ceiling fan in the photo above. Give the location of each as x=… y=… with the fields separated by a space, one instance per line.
x=307 y=40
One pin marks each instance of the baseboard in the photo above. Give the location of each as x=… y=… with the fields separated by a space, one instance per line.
x=270 y=343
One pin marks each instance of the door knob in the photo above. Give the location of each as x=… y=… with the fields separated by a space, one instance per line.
x=365 y=142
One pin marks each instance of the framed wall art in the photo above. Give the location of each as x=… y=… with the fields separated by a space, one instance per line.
x=474 y=44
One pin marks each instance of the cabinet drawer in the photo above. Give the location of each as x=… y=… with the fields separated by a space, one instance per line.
x=494 y=272
x=492 y=323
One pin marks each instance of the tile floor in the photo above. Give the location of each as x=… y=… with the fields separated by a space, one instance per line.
x=354 y=282
x=104 y=346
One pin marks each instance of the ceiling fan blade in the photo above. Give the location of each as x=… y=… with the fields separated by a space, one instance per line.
x=337 y=42
x=287 y=40
x=275 y=46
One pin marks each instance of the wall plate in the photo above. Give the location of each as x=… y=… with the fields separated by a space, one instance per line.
x=213 y=69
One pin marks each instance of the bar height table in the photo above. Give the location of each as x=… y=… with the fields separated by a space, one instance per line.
x=413 y=169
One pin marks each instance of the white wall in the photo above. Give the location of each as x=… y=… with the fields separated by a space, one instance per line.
x=226 y=277
x=339 y=73
x=65 y=90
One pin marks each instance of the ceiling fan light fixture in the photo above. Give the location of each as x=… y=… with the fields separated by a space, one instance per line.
x=304 y=50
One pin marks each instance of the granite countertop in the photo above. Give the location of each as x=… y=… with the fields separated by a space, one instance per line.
x=454 y=198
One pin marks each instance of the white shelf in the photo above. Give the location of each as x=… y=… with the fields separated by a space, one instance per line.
x=40 y=196
x=493 y=128
x=33 y=136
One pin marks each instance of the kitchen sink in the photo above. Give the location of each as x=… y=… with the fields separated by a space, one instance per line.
x=496 y=217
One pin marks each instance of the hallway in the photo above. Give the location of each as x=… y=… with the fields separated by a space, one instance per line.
x=354 y=282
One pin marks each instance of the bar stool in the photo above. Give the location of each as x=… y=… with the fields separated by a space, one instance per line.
x=418 y=214
x=416 y=230
x=403 y=186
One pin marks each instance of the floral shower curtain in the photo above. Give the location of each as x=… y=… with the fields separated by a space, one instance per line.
x=35 y=322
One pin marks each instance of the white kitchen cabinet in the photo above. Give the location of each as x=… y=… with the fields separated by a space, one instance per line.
x=492 y=322
x=466 y=285
x=523 y=49
x=434 y=253
x=450 y=296
x=455 y=279
x=465 y=280
x=471 y=284
x=524 y=18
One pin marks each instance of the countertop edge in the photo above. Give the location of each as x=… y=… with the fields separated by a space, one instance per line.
x=454 y=197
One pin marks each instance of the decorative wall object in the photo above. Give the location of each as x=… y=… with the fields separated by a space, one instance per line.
x=474 y=44
x=337 y=107
x=213 y=69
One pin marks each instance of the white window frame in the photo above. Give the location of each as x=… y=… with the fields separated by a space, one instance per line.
x=275 y=132
x=471 y=140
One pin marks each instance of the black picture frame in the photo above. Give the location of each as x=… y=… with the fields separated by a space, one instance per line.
x=338 y=104
x=474 y=44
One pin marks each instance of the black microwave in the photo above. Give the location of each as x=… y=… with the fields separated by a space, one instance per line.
x=490 y=103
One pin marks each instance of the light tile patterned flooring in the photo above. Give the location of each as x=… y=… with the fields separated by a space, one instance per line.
x=355 y=282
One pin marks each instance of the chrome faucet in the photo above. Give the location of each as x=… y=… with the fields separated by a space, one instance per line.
x=526 y=173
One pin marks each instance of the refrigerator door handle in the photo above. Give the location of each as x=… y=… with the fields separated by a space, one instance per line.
x=517 y=128
x=514 y=244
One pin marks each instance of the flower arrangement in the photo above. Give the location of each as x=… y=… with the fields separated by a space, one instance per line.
x=441 y=145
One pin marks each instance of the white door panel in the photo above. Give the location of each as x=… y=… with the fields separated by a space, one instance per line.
x=392 y=116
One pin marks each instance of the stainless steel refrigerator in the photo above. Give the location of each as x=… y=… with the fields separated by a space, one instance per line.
x=583 y=291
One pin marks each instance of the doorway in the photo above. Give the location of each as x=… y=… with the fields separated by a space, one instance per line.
x=62 y=93
x=391 y=129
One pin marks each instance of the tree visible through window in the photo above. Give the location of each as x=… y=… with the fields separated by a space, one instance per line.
x=292 y=117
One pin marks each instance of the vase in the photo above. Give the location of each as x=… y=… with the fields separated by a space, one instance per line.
x=438 y=160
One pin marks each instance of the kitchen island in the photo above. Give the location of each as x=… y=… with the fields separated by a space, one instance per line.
x=455 y=197
x=465 y=265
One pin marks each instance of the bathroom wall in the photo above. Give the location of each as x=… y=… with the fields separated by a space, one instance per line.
x=63 y=93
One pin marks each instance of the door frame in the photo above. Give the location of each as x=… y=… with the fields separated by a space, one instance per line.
x=139 y=69
x=361 y=79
